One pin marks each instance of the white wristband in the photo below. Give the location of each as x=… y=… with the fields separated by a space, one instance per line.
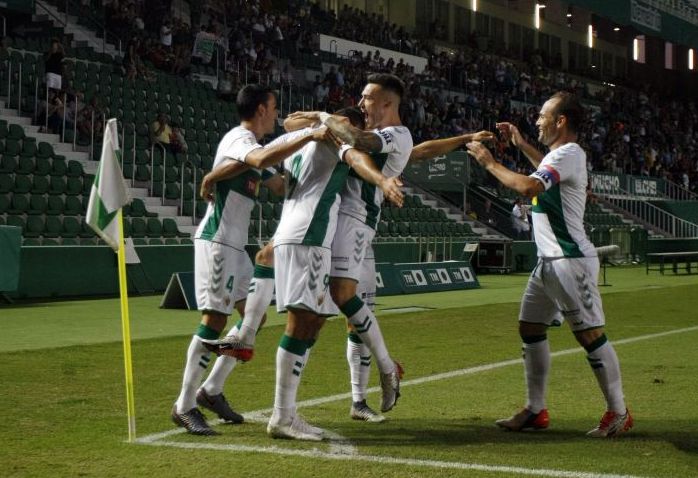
x=324 y=117
x=343 y=149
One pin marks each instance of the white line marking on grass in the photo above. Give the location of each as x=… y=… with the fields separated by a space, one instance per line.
x=342 y=449
x=315 y=453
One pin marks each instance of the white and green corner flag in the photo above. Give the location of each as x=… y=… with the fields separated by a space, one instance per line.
x=109 y=191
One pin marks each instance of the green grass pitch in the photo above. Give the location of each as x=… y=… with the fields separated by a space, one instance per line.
x=63 y=400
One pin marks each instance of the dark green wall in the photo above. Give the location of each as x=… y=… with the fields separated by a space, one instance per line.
x=687 y=210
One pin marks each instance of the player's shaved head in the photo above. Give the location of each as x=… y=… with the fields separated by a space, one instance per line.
x=388 y=82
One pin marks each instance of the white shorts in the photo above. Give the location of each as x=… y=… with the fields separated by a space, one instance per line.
x=222 y=275
x=564 y=288
x=366 y=289
x=53 y=81
x=302 y=278
x=349 y=247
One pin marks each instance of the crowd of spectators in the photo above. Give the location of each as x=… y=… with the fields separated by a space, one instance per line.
x=461 y=89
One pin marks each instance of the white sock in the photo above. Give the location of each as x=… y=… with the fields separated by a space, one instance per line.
x=359 y=359
x=198 y=358
x=536 y=367
x=604 y=361
x=366 y=325
x=222 y=368
x=290 y=361
x=259 y=297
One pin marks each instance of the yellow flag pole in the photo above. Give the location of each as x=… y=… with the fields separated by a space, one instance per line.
x=126 y=332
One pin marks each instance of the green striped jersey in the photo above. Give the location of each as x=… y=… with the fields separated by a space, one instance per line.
x=558 y=212
x=227 y=218
x=362 y=200
x=314 y=176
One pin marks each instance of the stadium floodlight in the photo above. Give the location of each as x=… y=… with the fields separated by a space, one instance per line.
x=475 y=5
x=616 y=29
x=690 y=58
x=590 y=36
x=636 y=49
x=536 y=19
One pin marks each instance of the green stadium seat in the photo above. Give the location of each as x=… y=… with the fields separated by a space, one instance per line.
x=19 y=204
x=138 y=227
x=8 y=164
x=74 y=186
x=155 y=241
x=154 y=227
x=59 y=167
x=57 y=185
x=28 y=148
x=71 y=227
x=86 y=231
x=69 y=241
x=75 y=169
x=55 y=205
x=42 y=166
x=37 y=204
x=40 y=184
x=44 y=150
x=6 y=183
x=32 y=241
x=12 y=147
x=3 y=129
x=169 y=228
x=5 y=201
x=25 y=166
x=54 y=226
x=73 y=206
x=15 y=132
x=35 y=226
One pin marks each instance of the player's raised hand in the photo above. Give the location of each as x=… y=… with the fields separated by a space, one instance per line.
x=483 y=136
x=306 y=115
x=510 y=133
x=481 y=154
x=392 y=191
x=321 y=134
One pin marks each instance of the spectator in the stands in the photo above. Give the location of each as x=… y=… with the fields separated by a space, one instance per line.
x=519 y=220
x=53 y=65
x=160 y=131
x=177 y=142
x=85 y=120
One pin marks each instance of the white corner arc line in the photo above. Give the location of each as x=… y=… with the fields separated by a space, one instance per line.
x=315 y=453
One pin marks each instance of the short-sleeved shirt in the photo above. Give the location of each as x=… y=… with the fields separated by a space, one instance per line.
x=362 y=200
x=314 y=177
x=558 y=212
x=227 y=218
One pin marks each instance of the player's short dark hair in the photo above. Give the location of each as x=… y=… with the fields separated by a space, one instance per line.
x=249 y=98
x=569 y=106
x=388 y=82
x=356 y=117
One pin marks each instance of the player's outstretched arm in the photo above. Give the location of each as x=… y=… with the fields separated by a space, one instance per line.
x=227 y=170
x=367 y=170
x=438 y=147
x=340 y=126
x=261 y=158
x=524 y=185
x=512 y=133
x=295 y=124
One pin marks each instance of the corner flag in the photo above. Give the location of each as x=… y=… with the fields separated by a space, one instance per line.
x=109 y=192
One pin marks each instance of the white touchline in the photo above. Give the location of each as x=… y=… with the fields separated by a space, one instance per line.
x=342 y=449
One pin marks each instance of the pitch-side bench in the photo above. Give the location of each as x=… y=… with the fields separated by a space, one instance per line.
x=659 y=261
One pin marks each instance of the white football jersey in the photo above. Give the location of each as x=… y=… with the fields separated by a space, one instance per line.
x=363 y=200
x=314 y=177
x=558 y=212
x=227 y=218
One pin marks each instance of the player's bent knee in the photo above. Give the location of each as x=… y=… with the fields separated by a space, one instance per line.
x=528 y=329
x=587 y=337
x=214 y=320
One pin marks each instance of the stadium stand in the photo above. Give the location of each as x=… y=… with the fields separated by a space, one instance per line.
x=464 y=87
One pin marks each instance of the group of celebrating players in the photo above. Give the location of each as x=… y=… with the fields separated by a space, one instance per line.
x=338 y=169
